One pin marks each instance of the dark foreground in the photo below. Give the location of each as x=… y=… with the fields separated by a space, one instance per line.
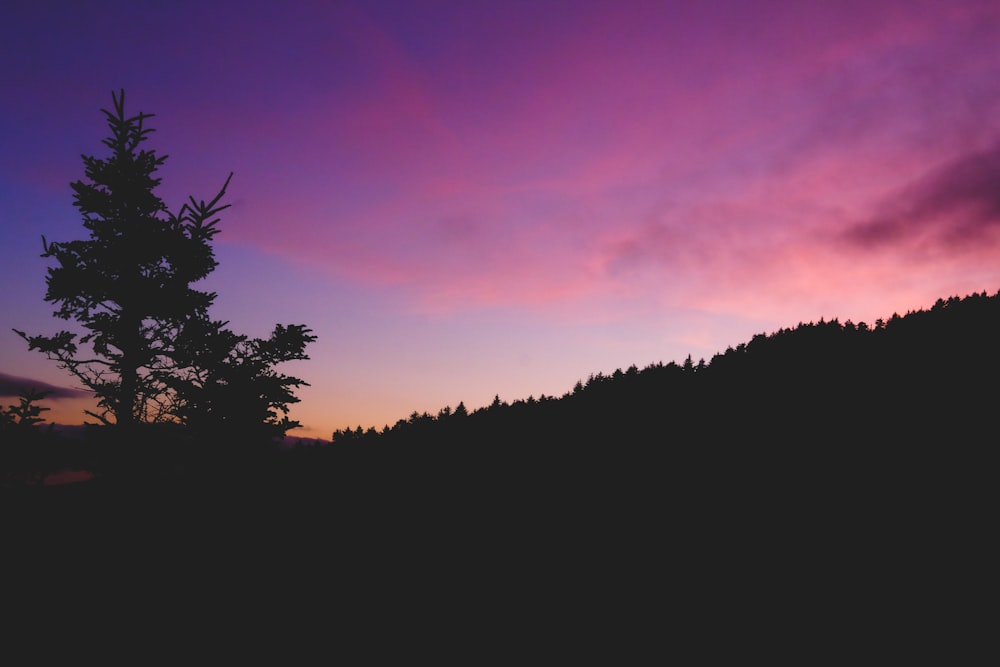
x=610 y=553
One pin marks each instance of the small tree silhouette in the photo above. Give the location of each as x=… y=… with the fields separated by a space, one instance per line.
x=21 y=456
x=230 y=388
x=25 y=414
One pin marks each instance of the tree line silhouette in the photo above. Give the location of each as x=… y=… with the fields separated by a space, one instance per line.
x=926 y=373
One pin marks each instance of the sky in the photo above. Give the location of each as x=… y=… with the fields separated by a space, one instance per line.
x=474 y=199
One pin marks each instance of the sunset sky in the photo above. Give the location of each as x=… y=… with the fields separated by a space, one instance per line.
x=465 y=199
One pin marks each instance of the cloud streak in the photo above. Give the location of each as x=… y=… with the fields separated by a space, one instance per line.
x=953 y=207
x=13 y=385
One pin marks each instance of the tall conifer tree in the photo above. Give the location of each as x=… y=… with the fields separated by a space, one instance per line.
x=146 y=345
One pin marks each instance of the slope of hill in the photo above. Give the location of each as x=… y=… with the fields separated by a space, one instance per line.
x=812 y=482
x=923 y=381
x=924 y=375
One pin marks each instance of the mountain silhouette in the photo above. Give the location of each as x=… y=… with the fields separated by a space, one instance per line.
x=921 y=376
x=845 y=391
x=822 y=472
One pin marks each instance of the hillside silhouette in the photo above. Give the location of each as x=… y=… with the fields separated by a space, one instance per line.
x=822 y=468
x=819 y=454
x=923 y=375
x=845 y=391
x=811 y=404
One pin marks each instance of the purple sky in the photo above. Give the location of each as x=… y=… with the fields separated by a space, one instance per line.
x=465 y=199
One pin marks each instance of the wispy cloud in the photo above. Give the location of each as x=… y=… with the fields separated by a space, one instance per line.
x=954 y=206
x=13 y=385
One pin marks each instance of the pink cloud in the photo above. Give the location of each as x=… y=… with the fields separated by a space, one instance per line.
x=955 y=206
x=594 y=163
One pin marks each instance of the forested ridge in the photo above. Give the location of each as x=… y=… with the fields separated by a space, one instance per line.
x=812 y=480
x=930 y=372
x=925 y=381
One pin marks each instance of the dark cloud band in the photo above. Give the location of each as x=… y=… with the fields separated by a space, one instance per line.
x=12 y=385
x=955 y=204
